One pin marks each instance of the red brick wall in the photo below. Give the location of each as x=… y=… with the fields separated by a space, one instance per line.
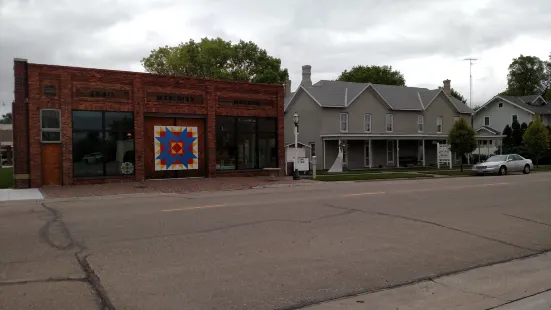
x=20 y=125
x=68 y=79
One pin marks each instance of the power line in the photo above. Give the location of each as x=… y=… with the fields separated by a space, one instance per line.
x=471 y=62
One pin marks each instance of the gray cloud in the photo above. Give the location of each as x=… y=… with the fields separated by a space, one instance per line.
x=330 y=36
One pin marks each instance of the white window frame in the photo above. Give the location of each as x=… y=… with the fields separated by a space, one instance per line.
x=439 y=124
x=389 y=143
x=50 y=129
x=389 y=120
x=367 y=122
x=420 y=123
x=341 y=123
x=513 y=118
x=455 y=118
x=487 y=117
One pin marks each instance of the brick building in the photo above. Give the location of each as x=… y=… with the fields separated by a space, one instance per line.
x=78 y=125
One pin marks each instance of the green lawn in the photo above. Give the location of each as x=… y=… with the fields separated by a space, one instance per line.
x=6 y=177
x=466 y=172
x=543 y=168
x=370 y=176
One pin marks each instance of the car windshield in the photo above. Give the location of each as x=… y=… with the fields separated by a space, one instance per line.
x=497 y=158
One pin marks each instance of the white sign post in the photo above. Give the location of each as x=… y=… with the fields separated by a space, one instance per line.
x=444 y=155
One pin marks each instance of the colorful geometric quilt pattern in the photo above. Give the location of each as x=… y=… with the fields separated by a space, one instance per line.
x=176 y=148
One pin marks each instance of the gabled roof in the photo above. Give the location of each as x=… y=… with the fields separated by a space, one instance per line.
x=337 y=94
x=488 y=129
x=528 y=102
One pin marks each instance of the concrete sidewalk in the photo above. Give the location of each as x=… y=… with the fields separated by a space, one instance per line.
x=523 y=284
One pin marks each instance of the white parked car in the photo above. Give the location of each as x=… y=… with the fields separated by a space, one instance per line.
x=502 y=164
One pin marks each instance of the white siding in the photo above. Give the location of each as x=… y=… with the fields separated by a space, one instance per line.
x=500 y=117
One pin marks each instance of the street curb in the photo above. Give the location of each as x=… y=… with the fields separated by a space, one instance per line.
x=151 y=194
x=418 y=280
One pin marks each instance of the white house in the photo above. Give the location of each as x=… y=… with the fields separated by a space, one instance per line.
x=500 y=111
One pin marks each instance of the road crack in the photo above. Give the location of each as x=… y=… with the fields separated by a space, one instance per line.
x=49 y=280
x=528 y=220
x=434 y=224
x=56 y=234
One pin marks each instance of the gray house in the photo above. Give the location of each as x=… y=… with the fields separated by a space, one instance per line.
x=381 y=125
x=500 y=111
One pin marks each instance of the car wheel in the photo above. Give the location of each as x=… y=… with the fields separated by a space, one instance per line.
x=526 y=169
x=502 y=170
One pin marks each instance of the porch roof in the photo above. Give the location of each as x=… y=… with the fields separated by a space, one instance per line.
x=374 y=136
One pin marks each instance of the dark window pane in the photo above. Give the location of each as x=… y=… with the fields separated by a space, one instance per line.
x=226 y=150
x=267 y=125
x=246 y=125
x=246 y=149
x=50 y=119
x=88 y=154
x=87 y=120
x=51 y=136
x=119 y=153
x=267 y=151
x=119 y=121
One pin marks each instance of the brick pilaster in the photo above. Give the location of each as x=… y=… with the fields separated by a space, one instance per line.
x=212 y=101
x=20 y=110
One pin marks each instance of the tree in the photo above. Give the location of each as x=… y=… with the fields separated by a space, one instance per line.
x=6 y=119
x=517 y=133
x=508 y=133
x=462 y=139
x=536 y=139
x=458 y=96
x=217 y=59
x=546 y=94
x=527 y=76
x=373 y=74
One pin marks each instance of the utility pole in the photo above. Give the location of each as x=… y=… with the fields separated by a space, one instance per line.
x=471 y=62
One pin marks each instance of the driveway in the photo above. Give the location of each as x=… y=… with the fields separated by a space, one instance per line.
x=270 y=248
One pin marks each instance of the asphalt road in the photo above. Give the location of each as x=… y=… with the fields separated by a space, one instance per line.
x=274 y=248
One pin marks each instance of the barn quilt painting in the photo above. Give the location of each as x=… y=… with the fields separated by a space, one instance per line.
x=176 y=148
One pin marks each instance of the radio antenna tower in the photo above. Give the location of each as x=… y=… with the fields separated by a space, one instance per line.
x=471 y=62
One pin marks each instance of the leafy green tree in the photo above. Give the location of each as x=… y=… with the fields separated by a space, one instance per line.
x=458 y=96
x=508 y=133
x=546 y=94
x=373 y=74
x=6 y=119
x=517 y=133
x=462 y=139
x=527 y=76
x=217 y=59
x=536 y=140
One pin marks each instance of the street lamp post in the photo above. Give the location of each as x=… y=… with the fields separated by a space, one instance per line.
x=295 y=162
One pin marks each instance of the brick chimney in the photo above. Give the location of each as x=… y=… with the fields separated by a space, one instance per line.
x=306 y=76
x=447 y=87
x=287 y=88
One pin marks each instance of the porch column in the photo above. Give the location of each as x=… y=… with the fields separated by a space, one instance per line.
x=488 y=148
x=424 y=162
x=501 y=146
x=370 y=155
x=323 y=147
x=397 y=153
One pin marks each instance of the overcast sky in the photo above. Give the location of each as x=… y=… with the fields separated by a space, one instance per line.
x=426 y=40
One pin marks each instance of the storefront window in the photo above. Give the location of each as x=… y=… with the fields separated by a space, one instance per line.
x=245 y=143
x=103 y=143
